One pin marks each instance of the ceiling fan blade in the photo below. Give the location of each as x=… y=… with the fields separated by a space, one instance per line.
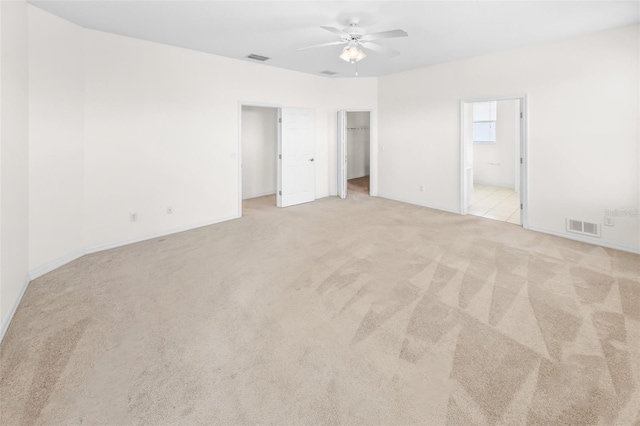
x=333 y=43
x=379 y=49
x=335 y=31
x=385 y=34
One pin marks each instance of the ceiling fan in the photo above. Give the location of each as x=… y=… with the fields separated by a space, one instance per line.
x=356 y=37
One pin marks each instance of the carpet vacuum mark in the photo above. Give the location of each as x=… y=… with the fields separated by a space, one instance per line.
x=356 y=311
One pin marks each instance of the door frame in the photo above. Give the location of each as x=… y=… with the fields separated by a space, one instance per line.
x=341 y=154
x=524 y=153
x=238 y=152
x=373 y=147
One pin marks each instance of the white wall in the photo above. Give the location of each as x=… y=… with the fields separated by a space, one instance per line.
x=56 y=146
x=358 y=144
x=14 y=166
x=583 y=129
x=121 y=125
x=259 y=151
x=495 y=163
x=162 y=129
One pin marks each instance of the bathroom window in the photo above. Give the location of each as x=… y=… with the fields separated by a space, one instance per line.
x=484 y=122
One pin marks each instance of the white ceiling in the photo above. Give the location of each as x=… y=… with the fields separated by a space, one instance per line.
x=439 y=31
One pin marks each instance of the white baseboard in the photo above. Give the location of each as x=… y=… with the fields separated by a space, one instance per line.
x=262 y=194
x=429 y=206
x=55 y=264
x=582 y=239
x=14 y=308
x=499 y=185
x=50 y=266
x=357 y=177
x=108 y=246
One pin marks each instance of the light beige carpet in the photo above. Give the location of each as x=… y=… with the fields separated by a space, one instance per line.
x=357 y=311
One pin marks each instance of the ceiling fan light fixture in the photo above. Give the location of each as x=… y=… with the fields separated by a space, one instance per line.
x=352 y=54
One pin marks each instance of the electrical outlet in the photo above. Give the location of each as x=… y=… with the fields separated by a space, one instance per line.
x=169 y=210
x=608 y=221
x=133 y=217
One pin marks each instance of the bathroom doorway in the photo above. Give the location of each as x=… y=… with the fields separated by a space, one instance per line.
x=493 y=161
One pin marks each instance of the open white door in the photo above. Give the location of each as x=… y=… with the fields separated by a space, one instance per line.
x=342 y=154
x=296 y=165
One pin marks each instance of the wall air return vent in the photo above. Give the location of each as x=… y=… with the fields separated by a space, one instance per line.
x=327 y=72
x=258 y=57
x=585 y=228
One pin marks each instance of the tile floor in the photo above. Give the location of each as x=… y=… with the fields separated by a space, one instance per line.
x=495 y=203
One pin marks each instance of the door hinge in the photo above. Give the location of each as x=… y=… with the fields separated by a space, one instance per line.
x=279 y=156
x=280 y=120
x=520 y=206
x=279 y=192
x=520 y=115
x=520 y=160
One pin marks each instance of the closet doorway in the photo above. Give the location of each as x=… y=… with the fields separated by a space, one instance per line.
x=354 y=152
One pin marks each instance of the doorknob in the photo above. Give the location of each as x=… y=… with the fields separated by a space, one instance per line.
x=311 y=159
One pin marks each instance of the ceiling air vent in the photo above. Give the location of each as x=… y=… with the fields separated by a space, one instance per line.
x=258 y=57
x=327 y=72
x=584 y=228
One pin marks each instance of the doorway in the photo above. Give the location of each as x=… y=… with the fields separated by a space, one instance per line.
x=259 y=139
x=493 y=160
x=276 y=163
x=354 y=152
